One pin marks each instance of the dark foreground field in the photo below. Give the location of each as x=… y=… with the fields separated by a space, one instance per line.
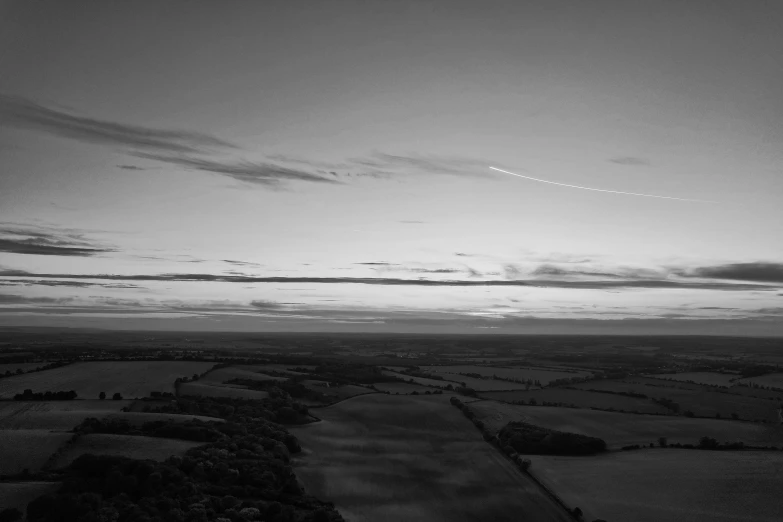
x=386 y=458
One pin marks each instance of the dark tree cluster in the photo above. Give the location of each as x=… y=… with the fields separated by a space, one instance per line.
x=28 y=395
x=529 y=439
x=273 y=409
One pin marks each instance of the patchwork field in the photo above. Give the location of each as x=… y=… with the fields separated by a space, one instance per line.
x=702 y=401
x=218 y=377
x=543 y=375
x=421 y=380
x=133 y=446
x=384 y=458
x=709 y=378
x=402 y=387
x=773 y=379
x=620 y=429
x=19 y=494
x=580 y=398
x=207 y=389
x=53 y=415
x=28 y=449
x=130 y=378
x=668 y=485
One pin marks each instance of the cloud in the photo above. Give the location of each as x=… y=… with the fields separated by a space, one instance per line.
x=19 y=299
x=376 y=263
x=130 y=167
x=615 y=272
x=759 y=271
x=72 y=284
x=262 y=173
x=17 y=111
x=46 y=241
x=630 y=160
x=383 y=281
x=512 y=271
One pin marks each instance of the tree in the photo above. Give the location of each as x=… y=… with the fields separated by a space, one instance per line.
x=116 y=397
x=102 y=395
x=734 y=416
x=662 y=442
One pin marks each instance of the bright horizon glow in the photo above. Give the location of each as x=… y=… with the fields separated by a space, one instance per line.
x=601 y=190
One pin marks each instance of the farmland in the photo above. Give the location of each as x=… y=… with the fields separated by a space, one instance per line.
x=668 y=485
x=709 y=378
x=53 y=415
x=774 y=380
x=579 y=398
x=620 y=429
x=28 y=449
x=703 y=401
x=544 y=376
x=402 y=387
x=130 y=378
x=219 y=390
x=134 y=446
x=423 y=461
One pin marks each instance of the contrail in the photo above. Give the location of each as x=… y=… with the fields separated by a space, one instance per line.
x=600 y=190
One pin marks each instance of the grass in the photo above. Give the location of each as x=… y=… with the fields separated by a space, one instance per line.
x=28 y=449
x=580 y=398
x=133 y=446
x=53 y=415
x=207 y=389
x=19 y=494
x=130 y=378
x=402 y=387
x=702 y=400
x=524 y=373
x=389 y=458
x=620 y=429
x=710 y=378
x=660 y=485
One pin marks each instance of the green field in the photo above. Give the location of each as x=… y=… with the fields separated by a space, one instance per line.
x=524 y=373
x=53 y=415
x=133 y=446
x=709 y=378
x=133 y=379
x=580 y=398
x=28 y=449
x=207 y=389
x=702 y=400
x=668 y=485
x=384 y=458
x=620 y=429
x=402 y=387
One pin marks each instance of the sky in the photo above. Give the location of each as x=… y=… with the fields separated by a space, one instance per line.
x=324 y=166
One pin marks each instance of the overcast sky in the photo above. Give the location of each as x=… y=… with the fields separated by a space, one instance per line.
x=324 y=166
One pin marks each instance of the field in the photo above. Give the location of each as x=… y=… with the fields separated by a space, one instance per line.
x=773 y=379
x=133 y=446
x=385 y=458
x=53 y=415
x=620 y=429
x=580 y=398
x=19 y=494
x=30 y=449
x=220 y=390
x=523 y=373
x=421 y=380
x=133 y=379
x=701 y=400
x=25 y=367
x=709 y=378
x=662 y=485
x=217 y=377
x=402 y=387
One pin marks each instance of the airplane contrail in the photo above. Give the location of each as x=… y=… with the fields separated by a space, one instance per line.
x=600 y=190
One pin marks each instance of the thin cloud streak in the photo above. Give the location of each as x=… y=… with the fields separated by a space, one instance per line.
x=600 y=190
x=596 y=285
